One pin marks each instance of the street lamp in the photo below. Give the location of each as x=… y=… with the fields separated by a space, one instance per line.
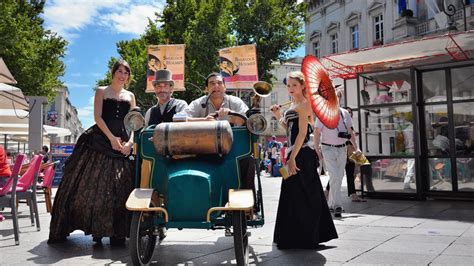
x=450 y=11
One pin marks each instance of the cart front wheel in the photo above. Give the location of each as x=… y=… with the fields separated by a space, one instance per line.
x=241 y=238
x=142 y=239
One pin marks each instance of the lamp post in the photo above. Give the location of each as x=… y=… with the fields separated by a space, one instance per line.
x=450 y=10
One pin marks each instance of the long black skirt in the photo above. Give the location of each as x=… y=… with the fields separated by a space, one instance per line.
x=92 y=194
x=303 y=218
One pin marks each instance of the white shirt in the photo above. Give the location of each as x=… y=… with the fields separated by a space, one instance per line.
x=329 y=136
x=196 y=109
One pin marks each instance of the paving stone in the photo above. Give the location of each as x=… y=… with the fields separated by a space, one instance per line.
x=398 y=222
x=461 y=250
x=384 y=258
x=373 y=232
x=394 y=246
x=452 y=260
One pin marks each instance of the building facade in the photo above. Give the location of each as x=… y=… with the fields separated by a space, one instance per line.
x=61 y=113
x=406 y=67
x=337 y=26
x=279 y=93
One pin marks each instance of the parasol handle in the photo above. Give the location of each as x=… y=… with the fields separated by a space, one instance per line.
x=283 y=104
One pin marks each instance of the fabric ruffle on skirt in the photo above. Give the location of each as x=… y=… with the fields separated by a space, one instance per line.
x=92 y=194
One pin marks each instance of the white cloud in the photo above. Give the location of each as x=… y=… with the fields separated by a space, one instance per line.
x=101 y=75
x=77 y=85
x=86 y=113
x=133 y=20
x=69 y=17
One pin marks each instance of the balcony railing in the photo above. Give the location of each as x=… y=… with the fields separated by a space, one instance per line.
x=422 y=28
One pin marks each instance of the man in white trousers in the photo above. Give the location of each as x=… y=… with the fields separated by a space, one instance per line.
x=330 y=145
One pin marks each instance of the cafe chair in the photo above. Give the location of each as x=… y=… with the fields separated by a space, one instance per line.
x=47 y=184
x=8 y=195
x=26 y=188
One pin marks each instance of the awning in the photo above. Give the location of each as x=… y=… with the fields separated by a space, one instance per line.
x=5 y=74
x=22 y=130
x=433 y=49
x=57 y=131
x=14 y=110
x=12 y=98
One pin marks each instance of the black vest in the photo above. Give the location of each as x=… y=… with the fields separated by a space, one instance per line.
x=156 y=117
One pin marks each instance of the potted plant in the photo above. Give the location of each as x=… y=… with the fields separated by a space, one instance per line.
x=407 y=13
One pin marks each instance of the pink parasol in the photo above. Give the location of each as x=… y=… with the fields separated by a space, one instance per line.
x=320 y=91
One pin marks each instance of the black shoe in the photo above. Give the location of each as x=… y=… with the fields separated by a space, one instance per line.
x=117 y=241
x=338 y=212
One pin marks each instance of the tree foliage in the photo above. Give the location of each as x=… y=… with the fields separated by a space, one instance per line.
x=274 y=25
x=207 y=26
x=32 y=53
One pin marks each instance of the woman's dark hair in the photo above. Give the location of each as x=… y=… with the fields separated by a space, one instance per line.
x=119 y=63
x=124 y=63
x=45 y=148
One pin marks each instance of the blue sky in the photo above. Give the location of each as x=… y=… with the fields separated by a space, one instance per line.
x=92 y=29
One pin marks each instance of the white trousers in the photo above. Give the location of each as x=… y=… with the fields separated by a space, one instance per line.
x=410 y=171
x=334 y=164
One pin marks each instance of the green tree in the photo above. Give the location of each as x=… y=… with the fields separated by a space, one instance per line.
x=135 y=53
x=204 y=36
x=274 y=25
x=32 y=53
x=205 y=26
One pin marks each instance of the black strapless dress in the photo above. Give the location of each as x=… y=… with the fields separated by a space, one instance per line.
x=303 y=218
x=96 y=182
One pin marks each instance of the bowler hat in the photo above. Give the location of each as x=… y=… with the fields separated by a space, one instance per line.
x=163 y=75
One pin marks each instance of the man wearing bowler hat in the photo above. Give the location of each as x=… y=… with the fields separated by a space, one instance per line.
x=163 y=111
x=166 y=107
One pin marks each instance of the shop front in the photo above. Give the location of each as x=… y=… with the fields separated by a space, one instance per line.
x=415 y=115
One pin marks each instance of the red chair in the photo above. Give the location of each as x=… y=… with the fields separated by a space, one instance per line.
x=26 y=188
x=8 y=199
x=47 y=184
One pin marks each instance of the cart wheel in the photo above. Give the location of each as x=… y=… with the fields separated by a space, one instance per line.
x=142 y=239
x=241 y=238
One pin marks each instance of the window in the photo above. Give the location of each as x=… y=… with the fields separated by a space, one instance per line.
x=334 y=43
x=355 y=37
x=378 y=29
x=316 y=49
x=274 y=96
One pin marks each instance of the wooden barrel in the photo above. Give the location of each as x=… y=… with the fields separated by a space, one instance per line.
x=183 y=138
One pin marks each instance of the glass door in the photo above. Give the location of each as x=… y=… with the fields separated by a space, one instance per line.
x=448 y=134
x=387 y=123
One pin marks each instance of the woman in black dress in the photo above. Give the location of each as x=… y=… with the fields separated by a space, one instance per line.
x=98 y=175
x=303 y=218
